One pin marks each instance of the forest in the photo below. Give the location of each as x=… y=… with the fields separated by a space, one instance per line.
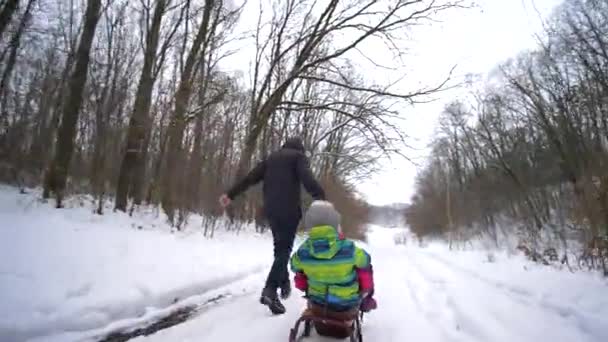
x=124 y=122
x=526 y=152
x=135 y=102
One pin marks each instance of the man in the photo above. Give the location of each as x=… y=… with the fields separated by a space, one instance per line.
x=282 y=172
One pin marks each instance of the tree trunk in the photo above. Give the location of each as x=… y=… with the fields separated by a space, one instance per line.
x=6 y=14
x=56 y=176
x=138 y=177
x=39 y=152
x=195 y=165
x=178 y=120
x=12 y=59
x=134 y=157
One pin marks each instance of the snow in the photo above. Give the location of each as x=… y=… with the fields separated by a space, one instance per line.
x=70 y=270
x=503 y=301
x=433 y=294
x=70 y=275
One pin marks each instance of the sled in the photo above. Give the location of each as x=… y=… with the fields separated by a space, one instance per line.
x=347 y=326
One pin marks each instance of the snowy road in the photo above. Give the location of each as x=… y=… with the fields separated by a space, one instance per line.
x=132 y=274
x=433 y=295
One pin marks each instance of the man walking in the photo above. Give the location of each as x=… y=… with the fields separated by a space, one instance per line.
x=282 y=172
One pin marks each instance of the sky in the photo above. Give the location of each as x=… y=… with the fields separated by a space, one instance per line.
x=473 y=40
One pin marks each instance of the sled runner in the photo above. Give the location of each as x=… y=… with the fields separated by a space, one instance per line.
x=340 y=325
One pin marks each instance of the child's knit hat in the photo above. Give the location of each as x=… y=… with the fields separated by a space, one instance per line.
x=321 y=213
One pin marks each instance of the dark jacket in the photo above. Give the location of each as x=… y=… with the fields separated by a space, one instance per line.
x=282 y=172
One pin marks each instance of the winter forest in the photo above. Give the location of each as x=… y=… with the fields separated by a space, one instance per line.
x=529 y=149
x=129 y=100
x=123 y=123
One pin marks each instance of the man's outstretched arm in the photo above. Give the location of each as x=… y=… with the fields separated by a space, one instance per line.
x=308 y=179
x=253 y=177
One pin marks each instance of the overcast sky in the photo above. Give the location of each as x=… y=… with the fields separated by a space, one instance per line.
x=476 y=40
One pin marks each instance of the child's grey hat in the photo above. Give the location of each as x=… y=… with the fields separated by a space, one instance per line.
x=321 y=213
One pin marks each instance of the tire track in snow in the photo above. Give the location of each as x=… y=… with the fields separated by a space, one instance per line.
x=176 y=317
x=497 y=284
x=221 y=293
x=455 y=323
x=132 y=315
x=398 y=317
x=512 y=304
x=474 y=311
x=241 y=319
x=586 y=322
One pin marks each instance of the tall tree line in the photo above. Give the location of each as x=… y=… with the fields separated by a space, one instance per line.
x=529 y=152
x=131 y=101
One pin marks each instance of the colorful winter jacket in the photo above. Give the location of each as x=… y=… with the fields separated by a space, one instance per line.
x=332 y=269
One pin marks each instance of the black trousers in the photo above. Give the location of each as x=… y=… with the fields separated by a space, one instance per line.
x=283 y=234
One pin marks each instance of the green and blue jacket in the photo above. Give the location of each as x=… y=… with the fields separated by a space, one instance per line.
x=330 y=269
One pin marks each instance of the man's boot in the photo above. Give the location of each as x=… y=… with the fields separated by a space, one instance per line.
x=271 y=300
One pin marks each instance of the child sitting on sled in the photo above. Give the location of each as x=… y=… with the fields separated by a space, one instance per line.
x=336 y=275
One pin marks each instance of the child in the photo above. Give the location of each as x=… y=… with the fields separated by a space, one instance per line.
x=334 y=273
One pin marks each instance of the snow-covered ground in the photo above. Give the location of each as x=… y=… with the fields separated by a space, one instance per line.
x=71 y=270
x=432 y=294
x=67 y=275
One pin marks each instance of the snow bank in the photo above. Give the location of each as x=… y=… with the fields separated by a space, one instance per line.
x=70 y=270
x=521 y=300
x=518 y=271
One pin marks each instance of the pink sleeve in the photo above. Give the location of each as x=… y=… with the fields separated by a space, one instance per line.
x=301 y=281
x=366 y=279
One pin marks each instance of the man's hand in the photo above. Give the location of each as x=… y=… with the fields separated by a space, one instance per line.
x=225 y=201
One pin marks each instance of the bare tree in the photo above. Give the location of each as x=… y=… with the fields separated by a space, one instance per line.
x=299 y=42
x=12 y=58
x=180 y=135
x=6 y=13
x=177 y=124
x=536 y=152
x=56 y=176
x=138 y=123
